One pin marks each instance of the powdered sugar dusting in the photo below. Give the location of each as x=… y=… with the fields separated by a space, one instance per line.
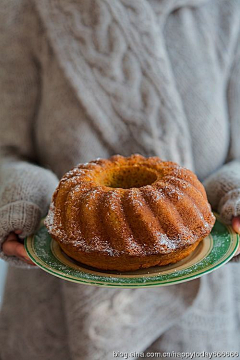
x=82 y=187
x=49 y=221
x=164 y=240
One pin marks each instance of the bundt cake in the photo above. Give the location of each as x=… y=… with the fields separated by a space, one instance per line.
x=127 y=213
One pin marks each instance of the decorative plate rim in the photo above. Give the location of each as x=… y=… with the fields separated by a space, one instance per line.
x=123 y=280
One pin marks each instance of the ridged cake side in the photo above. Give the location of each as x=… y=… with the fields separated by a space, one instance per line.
x=90 y=219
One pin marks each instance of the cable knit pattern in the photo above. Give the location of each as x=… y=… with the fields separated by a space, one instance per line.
x=86 y=79
x=122 y=75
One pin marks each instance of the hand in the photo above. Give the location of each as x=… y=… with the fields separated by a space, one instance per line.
x=236 y=228
x=13 y=247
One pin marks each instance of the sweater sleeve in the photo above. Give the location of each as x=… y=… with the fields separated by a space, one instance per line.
x=223 y=191
x=25 y=188
x=223 y=186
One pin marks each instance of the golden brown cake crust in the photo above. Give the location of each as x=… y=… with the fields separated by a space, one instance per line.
x=127 y=213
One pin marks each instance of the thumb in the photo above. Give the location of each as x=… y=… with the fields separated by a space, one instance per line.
x=236 y=224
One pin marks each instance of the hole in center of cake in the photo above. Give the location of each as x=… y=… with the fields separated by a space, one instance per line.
x=128 y=177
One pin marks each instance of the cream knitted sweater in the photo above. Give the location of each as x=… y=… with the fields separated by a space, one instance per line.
x=88 y=79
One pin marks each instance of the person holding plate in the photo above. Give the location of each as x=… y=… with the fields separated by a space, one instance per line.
x=86 y=79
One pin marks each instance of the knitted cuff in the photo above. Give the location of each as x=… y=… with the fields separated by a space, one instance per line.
x=229 y=206
x=19 y=215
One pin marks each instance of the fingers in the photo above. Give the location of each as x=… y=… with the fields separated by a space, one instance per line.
x=27 y=260
x=236 y=228
x=9 y=245
x=12 y=247
x=236 y=224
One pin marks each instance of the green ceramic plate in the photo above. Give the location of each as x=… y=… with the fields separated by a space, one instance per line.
x=214 y=251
